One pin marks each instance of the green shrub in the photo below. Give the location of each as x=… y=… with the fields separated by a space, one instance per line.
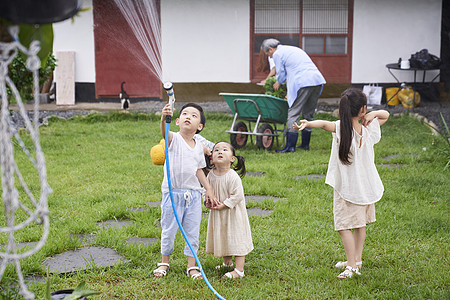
x=23 y=78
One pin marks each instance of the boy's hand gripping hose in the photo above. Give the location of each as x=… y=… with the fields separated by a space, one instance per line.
x=168 y=86
x=169 y=89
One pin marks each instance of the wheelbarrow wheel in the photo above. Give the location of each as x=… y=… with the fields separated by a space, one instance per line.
x=239 y=140
x=265 y=141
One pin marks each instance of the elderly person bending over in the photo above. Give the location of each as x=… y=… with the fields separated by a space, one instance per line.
x=304 y=86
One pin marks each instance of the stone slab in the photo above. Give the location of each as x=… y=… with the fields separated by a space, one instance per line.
x=260 y=198
x=316 y=177
x=32 y=279
x=138 y=209
x=390 y=166
x=391 y=157
x=255 y=211
x=84 y=237
x=141 y=241
x=255 y=174
x=20 y=246
x=82 y=259
x=153 y=203
x=113 y=224
x=65 y=78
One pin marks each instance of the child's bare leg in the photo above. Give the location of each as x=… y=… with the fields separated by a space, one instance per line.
x=191 y=263
x=360 y=237
x=349 y=246
x=228 y=260
x=165 y=259
x=240 y=261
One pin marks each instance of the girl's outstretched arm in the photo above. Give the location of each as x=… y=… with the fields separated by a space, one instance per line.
x=325 y=125
x=382 y=116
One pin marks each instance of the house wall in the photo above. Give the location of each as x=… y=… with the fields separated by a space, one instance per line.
x=205 y=41
x=78 y=36
x=385 y=30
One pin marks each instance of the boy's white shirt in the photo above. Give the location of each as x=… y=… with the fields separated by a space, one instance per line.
x=184 y=162
x=358 y=182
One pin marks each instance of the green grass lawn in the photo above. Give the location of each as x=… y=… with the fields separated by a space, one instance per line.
x=99 y=167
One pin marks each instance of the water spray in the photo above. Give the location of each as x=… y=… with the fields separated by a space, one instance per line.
x=168 y=86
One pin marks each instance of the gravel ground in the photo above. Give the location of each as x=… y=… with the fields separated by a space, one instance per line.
x=429 y=110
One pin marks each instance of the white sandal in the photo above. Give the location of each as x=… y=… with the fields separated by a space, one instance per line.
x=161 y=271
x=348 y=273
x=224 y=266
x=229 y=275
x=343 y=264
x=194 y=276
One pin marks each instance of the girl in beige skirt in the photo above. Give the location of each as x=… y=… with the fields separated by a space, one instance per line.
x=228 y=231
x=352 y=172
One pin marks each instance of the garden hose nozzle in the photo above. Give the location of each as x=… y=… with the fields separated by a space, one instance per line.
x=168 y=86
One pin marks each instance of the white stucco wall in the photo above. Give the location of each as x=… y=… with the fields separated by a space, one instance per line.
x=209 y=40
x=385 y=30
x=78 y=37
x=205 y=41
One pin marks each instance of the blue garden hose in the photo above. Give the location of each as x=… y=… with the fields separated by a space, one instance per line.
x=166 y=144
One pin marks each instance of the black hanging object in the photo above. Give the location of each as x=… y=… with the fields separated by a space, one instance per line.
x=38 y=11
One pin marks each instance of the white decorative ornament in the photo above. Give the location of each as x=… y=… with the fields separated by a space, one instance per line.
x=34 y=206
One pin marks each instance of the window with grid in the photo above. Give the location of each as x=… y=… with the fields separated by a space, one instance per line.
x=325 y=26
x=279 y=19
x=322 y=25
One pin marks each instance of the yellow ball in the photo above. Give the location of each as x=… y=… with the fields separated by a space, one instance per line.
x=157 y=154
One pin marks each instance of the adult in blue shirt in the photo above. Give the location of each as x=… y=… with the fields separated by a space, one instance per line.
x=304 y=86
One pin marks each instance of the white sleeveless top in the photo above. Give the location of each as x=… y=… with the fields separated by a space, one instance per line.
x=358 y=182
x=184 y=162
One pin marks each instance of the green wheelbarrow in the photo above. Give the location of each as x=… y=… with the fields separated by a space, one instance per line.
x=264 y=110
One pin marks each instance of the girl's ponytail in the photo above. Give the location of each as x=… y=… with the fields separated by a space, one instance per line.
x=352 y=100
x=240 y=165
x=346 y=131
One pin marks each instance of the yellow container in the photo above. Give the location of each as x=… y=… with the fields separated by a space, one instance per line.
x=408 y=97
x=392 y=96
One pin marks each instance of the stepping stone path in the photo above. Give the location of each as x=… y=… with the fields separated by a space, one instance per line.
x=255 y=211
x=138 y=209
x=260 y=198
x=391 y=157
x=90 y=257
x=390 y=166
x=84 y=237
x=153 y=203
x=32 y=279
x=21 y=245
x=316 y=177
x=82 y=259
x=113 y=224
x=255 y=174
x=141 y=241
